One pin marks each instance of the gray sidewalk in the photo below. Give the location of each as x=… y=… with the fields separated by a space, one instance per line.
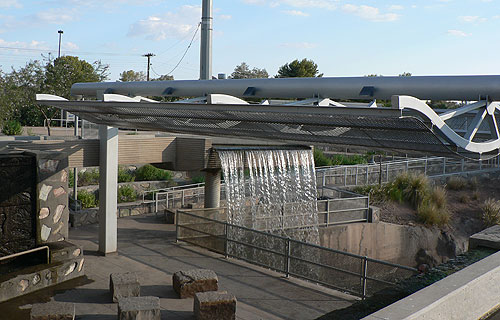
x=147 y=246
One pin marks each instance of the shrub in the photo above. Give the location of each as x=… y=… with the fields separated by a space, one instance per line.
x=87 y=199
x=12 y=128
x=491 y=212
x=464 y=199
x=198 y=179
x=438 y=197
x=341 y=159
x=126 y=194
x=456 y=183
x=475 y=195
x=150 y=173
x=474 y=183
x=430 y=214
x=320 y=160
x=124 y=175
x=88 y=177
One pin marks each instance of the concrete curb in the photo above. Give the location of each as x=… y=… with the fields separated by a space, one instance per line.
x=468 y=294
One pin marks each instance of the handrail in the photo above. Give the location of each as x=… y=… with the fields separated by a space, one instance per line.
x=287 y=255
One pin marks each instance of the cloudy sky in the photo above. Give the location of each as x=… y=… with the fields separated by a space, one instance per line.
x=344 y=37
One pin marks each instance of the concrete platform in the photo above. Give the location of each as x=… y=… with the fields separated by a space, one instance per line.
x=146 y=245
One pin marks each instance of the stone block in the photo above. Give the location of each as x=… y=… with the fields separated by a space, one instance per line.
x=187 y=283
x=143 y=308
x=53 y=311
x=488 y=238
x=124 y=285
x=63 y=250
x=214 y=305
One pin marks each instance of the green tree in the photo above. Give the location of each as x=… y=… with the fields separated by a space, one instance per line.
x=17 y=94
x=164 y=77
x=405 y=74
x=296 y=68
x=243 y=71
x=131 y=75
x=62 y=73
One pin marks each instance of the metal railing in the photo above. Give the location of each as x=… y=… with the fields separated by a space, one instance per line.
x=363 y=174
x=356 y=274
x=18 y=254
x=341 y=206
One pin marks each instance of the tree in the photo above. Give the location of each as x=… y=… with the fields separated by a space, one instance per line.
x=405 y=74
x=132 y=75
x=164 y=77
x=243 y=71
x=62 y=74
x=296 y=68
x=17 y=94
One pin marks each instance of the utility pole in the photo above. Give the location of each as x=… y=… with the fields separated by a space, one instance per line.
x=206 y=40
x=148 y=55
x=60 y=36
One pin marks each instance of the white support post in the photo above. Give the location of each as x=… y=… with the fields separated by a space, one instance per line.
x=108 y=184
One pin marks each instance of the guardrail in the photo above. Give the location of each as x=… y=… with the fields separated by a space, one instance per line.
x=354 y=175
x=358 y=275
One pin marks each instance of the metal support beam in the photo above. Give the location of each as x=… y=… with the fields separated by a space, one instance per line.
x=108 y=184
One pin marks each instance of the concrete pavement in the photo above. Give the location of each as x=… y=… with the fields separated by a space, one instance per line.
x=147 y=246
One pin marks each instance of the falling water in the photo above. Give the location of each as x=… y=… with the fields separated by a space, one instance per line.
x=280 y=193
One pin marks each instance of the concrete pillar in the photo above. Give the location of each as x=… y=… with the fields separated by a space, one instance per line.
x=212 y=188
x=108 y=184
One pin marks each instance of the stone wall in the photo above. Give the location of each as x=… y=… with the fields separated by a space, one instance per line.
x=52 y=202
x=33 y=200
x=91 y=215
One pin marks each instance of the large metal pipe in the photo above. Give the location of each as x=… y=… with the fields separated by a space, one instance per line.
x=206 y=41
x=422 y=87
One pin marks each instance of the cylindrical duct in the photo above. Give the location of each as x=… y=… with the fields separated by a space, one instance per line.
x=423 y=87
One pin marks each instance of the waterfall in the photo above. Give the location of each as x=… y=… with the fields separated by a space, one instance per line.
x=279 y=195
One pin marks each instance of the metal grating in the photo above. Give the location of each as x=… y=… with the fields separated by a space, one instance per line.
x=367 y=127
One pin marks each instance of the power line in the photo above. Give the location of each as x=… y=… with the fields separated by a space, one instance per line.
x=187 y=49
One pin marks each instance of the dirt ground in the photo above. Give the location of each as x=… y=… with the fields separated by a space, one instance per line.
x=464 y=206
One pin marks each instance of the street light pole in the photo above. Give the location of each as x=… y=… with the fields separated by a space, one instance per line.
x=60 y=36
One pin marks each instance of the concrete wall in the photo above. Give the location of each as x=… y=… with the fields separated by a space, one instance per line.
x=470 y=293
x=406 y=245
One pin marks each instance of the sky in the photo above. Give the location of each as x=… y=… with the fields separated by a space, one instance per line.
x=344 y=38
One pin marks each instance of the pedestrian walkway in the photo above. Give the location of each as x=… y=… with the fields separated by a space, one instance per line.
x=147 y=246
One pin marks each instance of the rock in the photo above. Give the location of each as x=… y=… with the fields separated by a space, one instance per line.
x=214 y=305
x=59 y=212
x=124 y=285
x=187 y=283
x=489 y=238
x=144 y=308
x=45 y=232
x=53 y=310
x=44 y=213
x=44 y=192
x=59 y=192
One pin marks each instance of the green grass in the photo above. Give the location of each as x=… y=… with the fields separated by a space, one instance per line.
x=124 y=175
x=321 y=160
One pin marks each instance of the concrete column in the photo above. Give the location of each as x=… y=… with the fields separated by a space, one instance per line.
x=108 y=184
x=212 y=188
